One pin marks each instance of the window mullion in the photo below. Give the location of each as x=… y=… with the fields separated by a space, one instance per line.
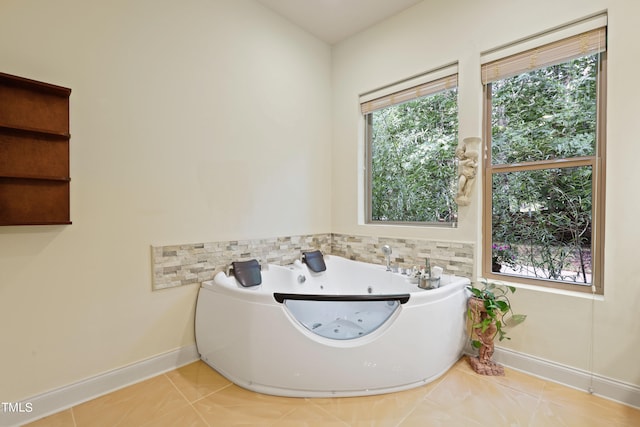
x=544 y=164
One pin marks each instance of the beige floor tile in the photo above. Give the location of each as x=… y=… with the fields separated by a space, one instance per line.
x=131 y=406
x=433 y=415
x=561 y=394
x=61 y=419
x=239 y=415
x=235 y=395
x=522 y=382
x=481 y=398
x=570 y=415
x=235 y=406
x=197 y=380
x=512 y=378
x=379 y=410
x=186 y=416
x=565 y=406
x=309 y=416
x=462 y=364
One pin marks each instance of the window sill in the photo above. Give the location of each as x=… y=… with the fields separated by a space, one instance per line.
x=548 y=290
x=413 y=224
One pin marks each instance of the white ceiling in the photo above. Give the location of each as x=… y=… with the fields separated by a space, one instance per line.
x=335 y=20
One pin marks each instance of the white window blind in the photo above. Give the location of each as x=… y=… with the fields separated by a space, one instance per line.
x=577 y=40
x=427 y=84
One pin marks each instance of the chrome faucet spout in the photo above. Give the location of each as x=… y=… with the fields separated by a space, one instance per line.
x=386 y=250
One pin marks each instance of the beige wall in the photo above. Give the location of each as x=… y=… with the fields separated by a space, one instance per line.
x=437 y=32
x=191 y=121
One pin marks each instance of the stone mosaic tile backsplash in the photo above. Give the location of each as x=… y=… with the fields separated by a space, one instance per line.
x=180 y=265
x=454 y=258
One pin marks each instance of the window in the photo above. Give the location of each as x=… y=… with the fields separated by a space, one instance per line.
x=411 y=136
x=544 y=163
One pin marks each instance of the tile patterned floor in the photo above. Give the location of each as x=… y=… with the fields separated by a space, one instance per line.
x=197 y=396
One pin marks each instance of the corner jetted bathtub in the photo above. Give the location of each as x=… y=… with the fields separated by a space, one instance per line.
x=351 y=330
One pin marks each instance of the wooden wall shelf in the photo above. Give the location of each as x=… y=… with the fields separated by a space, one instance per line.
x=17 y=130
x=34 y=152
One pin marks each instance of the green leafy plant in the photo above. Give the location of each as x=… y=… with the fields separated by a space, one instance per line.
x=497 y=305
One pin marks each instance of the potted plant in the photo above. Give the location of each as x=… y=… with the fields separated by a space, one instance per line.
x=502 y=255
x=488 y=308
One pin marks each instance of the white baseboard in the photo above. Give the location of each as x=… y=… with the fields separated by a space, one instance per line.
x=611 y=389
x=65 y=397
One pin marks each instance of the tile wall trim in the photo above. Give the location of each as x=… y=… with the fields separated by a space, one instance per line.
x=186 y=264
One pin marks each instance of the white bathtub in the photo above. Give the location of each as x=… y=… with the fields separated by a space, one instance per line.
x=331 y=345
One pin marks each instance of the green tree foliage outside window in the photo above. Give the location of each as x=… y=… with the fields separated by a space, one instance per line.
x=413 y=173
x=545 y=213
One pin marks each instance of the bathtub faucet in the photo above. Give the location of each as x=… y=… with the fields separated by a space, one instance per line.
x=386 y=250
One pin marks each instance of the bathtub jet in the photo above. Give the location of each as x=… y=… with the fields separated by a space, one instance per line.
x=352 y=329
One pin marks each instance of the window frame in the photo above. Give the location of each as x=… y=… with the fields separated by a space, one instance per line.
x=598 y=164
x=430 y=83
